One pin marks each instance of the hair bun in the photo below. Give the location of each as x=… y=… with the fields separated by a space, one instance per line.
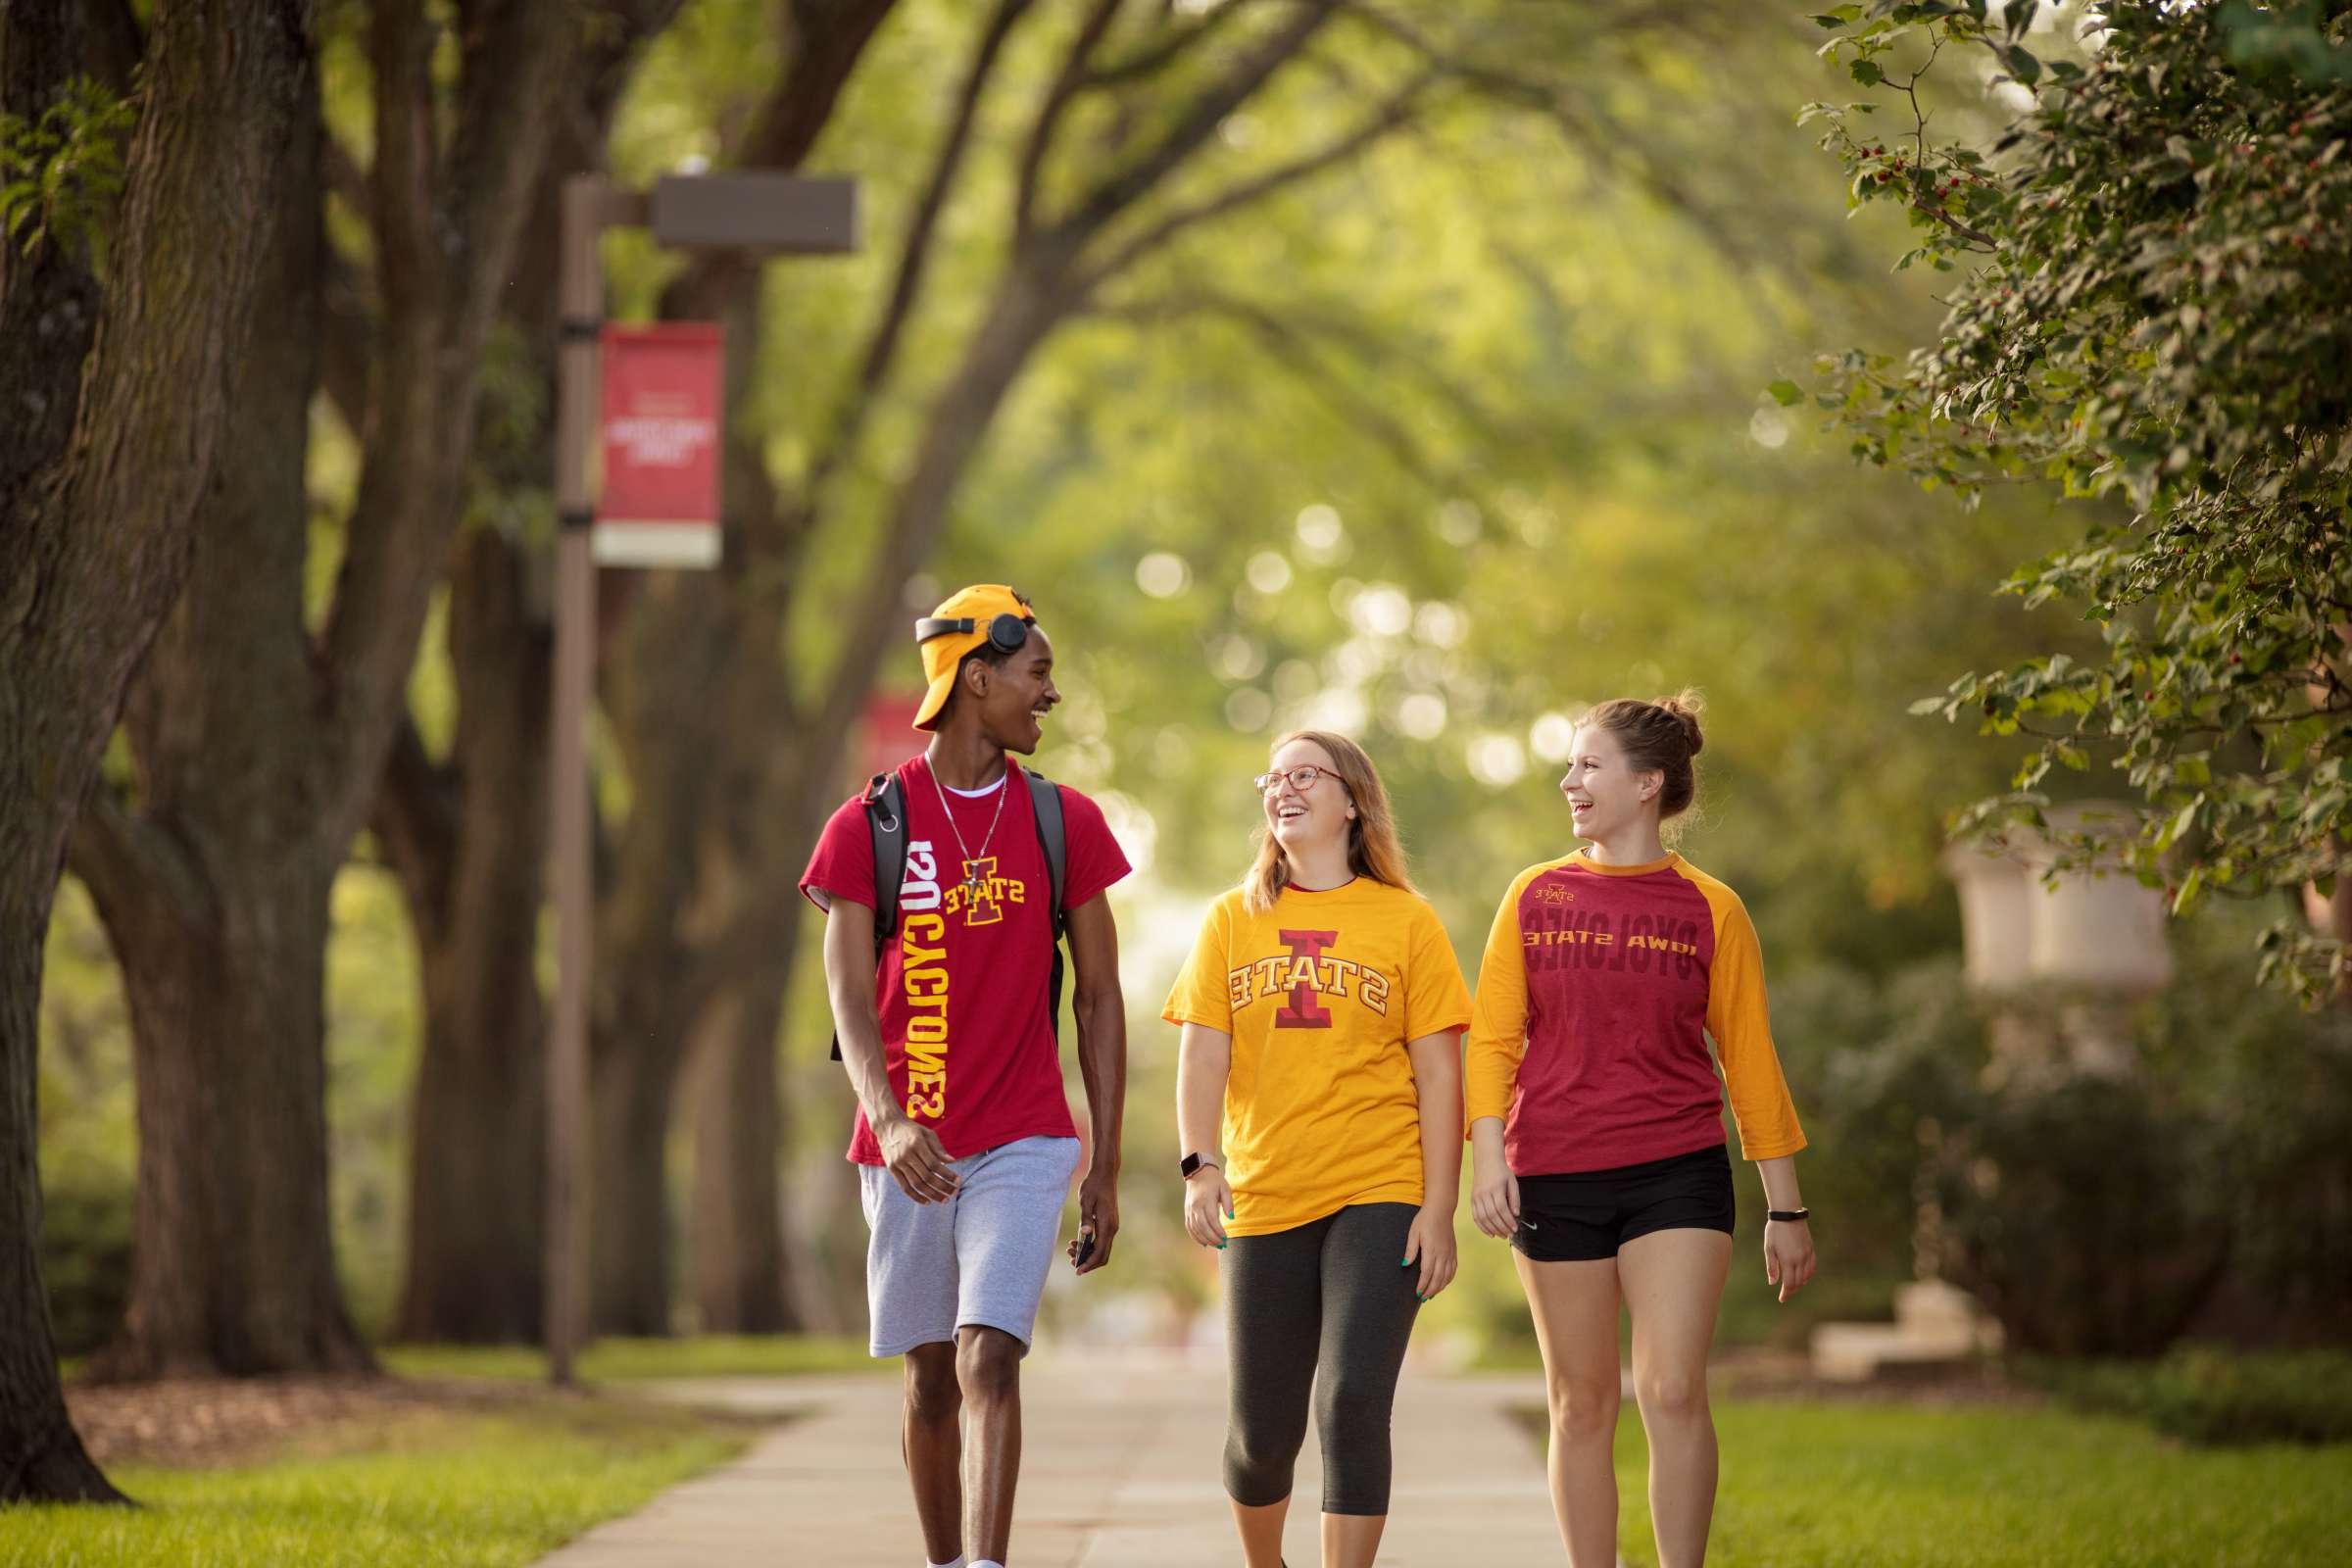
x=1685 y=706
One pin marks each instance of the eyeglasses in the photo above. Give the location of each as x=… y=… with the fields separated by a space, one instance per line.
x=1303 y=778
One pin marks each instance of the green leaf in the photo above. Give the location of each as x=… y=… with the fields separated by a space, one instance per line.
x=1787 y=393
x=2190 y=886
x=1867 y=73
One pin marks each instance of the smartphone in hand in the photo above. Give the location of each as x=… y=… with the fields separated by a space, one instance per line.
x=1083 y=1248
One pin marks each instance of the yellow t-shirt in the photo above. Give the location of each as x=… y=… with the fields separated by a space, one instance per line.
x=1320 y=995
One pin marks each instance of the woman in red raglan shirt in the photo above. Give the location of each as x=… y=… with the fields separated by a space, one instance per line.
x=1595 y=1122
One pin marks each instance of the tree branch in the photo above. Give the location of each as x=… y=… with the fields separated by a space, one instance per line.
x=1159 y=57
x=408 y=263
x=914 y=252
x=1394 y=111
x=347 y=343
x=519 y=56
x=348 y=346
x=415 y=822
x=522 y=59
x=829 y=37
x=129 y=864
x=1067 y=83
x=1298 y=352
x=828 y=40
x=1198 y=122
x=1377 y=353
x=1588 y=128
x=345 y=177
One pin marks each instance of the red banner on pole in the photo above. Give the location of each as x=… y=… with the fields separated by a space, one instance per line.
x=661 y=438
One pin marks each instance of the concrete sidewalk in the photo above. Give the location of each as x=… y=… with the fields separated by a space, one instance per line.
x=1120 y=1468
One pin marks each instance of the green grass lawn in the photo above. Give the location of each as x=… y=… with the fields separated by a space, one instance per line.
x=617 y=1360
x=450 y=1488
x=1882 y=1486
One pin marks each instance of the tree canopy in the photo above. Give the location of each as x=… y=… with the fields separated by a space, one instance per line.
x=2150 y=307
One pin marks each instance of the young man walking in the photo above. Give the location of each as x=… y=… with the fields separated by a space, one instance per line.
x=944 y=1003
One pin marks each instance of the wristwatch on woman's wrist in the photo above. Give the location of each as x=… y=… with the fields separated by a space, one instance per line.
x=1196 y=1163
x=1788 y=1217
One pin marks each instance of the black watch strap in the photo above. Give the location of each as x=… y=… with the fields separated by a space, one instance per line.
x=1193 y=1162
x=1788 y=1217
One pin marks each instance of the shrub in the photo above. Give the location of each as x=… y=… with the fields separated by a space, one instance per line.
x=2209 y=1191
x=2084 y=1215
x=2208 y=1394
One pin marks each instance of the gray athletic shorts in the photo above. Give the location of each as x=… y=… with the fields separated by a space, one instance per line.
x=979 y=1257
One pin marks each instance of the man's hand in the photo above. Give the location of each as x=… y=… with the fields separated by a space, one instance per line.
x=917 y=1160
x=1097 y=1216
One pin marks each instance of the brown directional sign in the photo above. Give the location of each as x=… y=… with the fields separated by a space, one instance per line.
x=757 y=211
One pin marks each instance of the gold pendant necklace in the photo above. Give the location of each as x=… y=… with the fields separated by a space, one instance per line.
x=971 y=864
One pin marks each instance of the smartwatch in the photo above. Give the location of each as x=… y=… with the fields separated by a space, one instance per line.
x=1788 y=1217
x=1194 y=1163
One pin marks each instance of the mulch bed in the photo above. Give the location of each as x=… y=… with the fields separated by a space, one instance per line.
x=205 y=1422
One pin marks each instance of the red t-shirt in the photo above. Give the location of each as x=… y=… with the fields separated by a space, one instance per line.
x=1600 y=988
x=962 y=983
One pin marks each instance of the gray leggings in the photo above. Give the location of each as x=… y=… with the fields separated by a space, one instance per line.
x=1331 y=1294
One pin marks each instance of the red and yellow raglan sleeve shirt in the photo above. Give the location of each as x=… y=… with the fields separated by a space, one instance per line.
x=1601 y=987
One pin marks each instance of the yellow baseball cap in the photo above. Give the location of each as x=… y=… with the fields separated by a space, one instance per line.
x=967 y=619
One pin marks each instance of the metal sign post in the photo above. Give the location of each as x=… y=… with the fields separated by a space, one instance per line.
x=767 y=214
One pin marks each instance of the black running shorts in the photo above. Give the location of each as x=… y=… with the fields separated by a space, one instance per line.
x=1589 y=1215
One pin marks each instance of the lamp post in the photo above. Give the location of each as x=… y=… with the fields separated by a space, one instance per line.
x=767 y=214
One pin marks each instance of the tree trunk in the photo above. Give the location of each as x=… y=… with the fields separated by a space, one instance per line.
x=261 y=751
x=477 y=1175
x=216 y=893
x=233 y=1269
x=629 y=1253
x=469 y=840
x=118 y=395
x=471 y=865
x=737 y=1219
x=41 y=1458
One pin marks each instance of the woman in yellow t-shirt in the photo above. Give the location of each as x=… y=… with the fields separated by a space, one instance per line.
x=1322 y=1012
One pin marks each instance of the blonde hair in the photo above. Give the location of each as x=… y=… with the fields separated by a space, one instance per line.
x=1662 y=737
x=1373 y=848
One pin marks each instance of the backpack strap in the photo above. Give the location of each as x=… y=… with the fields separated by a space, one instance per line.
x=886 y=826
x=1044 y=801
x=886 y=823
x=1045 y=807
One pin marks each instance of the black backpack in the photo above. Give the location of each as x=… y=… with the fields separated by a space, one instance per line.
x=886 y=822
